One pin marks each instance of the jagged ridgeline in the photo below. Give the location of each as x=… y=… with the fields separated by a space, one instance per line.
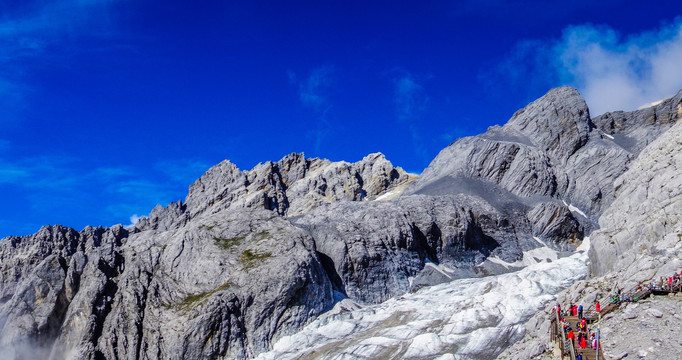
x=252 y=256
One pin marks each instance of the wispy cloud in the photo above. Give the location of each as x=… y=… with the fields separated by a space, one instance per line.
x=134 y=219
x=612 y=71
x=410 y=98
x=43 y=172
x=313 y=92
x=32 y=29
x=411 y=101
x=63 y=183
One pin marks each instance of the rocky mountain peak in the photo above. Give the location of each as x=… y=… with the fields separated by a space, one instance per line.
x=294 y=185
x=634 y=130
x=559 y=122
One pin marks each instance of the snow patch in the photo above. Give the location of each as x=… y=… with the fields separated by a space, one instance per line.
x=424 y=345
x=388 y=195
x=585 y=246
x=342 y=306
x=539 y=240
x=444 y=270
x=574 y=209
x=530 y=257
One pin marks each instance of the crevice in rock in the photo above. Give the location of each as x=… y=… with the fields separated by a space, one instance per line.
x=139 y=324
x=47 y=334
x=101 y=307
x=475 y=239
x=332 y=274
x=422 y=246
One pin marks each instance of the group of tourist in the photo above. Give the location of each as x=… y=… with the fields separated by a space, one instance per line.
x=663 y=283
x=578 y=336
x=667 y=284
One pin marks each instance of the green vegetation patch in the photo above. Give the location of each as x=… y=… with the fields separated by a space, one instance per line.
x=191 y=300
x=249 y=258
x=261 y=235
x=207 y=227
x=228 y=243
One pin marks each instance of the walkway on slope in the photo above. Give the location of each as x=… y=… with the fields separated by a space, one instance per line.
x=559 y=328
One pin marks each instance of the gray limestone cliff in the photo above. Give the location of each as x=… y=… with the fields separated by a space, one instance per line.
x=294 y=185
x=183 y=293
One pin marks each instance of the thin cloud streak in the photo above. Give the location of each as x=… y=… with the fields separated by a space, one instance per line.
x=31 y=33
x=410 y=98
x=59 y=183
x=411 y=101
x=313 y=93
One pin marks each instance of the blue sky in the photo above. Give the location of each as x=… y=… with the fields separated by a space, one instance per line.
x=109 y=107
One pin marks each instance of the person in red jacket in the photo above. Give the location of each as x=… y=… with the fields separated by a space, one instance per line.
x=597 y=308
x=570 y=335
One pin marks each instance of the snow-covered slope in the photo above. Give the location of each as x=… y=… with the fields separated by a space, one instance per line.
x=462 y=319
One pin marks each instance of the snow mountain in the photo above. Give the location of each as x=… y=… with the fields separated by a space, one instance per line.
x=308 y=258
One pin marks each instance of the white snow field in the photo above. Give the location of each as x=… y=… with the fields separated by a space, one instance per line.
x=463 y=319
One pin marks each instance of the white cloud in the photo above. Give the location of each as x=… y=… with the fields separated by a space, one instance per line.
x=134 y=219
x=612 y=71
x=621 y=73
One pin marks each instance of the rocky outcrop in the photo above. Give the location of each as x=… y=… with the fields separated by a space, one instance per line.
x=42 y=275
x=294 y=185
x=373 y=249
x=634 y=130
x=643 y=227
x=555 y=223
x=558 y=123
x=178 y=294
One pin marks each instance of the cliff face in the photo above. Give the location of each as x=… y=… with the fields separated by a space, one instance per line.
x=252 y=256
x=638 y=241
x=294 y=185
x=641 y=233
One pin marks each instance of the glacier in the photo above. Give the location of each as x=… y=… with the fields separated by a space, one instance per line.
x=474 y=318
